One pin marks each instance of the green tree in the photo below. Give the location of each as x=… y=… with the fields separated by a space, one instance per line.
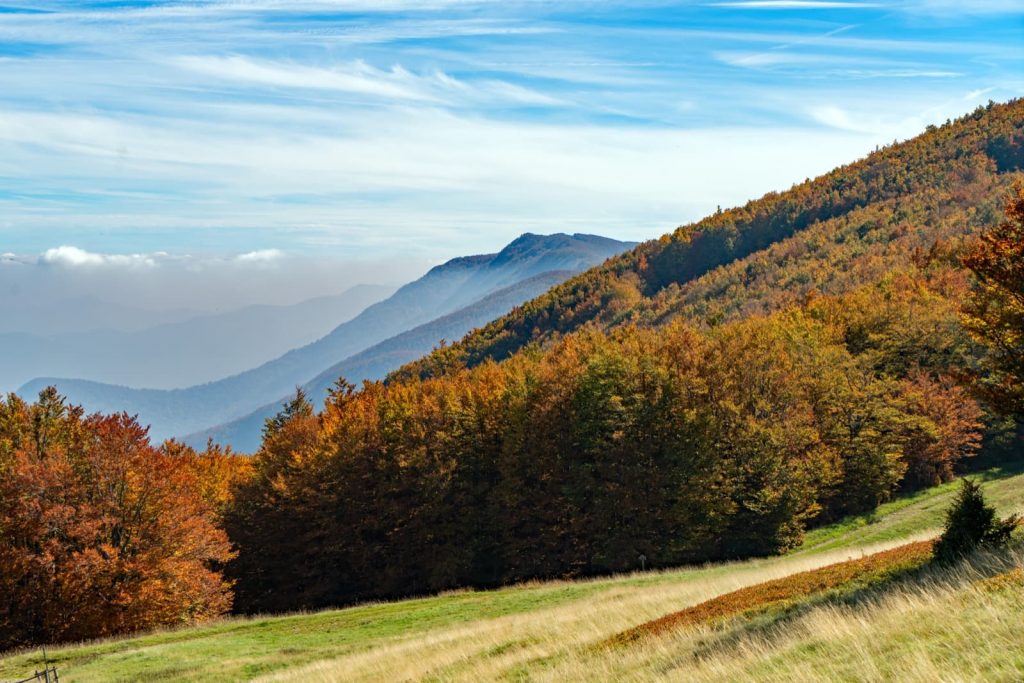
x=971 y=524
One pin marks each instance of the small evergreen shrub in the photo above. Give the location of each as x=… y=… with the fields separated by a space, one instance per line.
x=971 y=524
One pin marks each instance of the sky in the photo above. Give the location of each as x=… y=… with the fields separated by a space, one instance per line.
x=324 y=142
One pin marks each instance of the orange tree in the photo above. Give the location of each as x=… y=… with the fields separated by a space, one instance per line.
x=100 y=532
x=995 y=315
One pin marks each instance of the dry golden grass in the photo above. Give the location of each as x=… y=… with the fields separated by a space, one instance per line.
x=555 y=643
x=954 y=625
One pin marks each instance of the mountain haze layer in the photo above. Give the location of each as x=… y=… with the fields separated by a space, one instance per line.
x=444 y=289
x=180 y=354
x=81 y=314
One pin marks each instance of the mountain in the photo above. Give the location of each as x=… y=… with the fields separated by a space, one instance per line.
x=184 y=353
x=443 y=290
x=823 y=236
x=375 y=362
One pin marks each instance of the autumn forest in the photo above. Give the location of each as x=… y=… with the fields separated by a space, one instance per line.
x=709 y=395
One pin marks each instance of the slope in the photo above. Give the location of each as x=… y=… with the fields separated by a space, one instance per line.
x=443 y=289
x=549 y=631
x=184 y=353
x=375 y=362
x=825 y=235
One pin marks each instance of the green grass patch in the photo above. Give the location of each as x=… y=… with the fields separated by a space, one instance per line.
x=916 y=512
x=242 y=648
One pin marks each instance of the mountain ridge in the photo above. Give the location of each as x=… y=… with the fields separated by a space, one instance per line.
x=961 y=165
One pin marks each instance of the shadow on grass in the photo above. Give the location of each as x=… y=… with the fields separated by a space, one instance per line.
x=1008 y=468
x=828 y=534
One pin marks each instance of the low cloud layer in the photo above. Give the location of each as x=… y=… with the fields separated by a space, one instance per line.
x=48 y=282
x=73 y=257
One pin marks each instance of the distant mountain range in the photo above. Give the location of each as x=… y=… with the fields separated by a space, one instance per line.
x=378 y=360
x=461 y=285
x=176 y=354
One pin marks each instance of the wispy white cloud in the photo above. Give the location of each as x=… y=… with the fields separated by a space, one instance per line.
x=797 y=4
x=976 y=94
x=369 y=126
x=260 y=256
x=73 y=257
x=814 y=64
x=959 y=7
x=439 y=171
x=356 y=77
x=880 y=120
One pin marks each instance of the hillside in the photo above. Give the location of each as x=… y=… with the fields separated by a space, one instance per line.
x=554 y=630
x=375 y=362
x=730 y=436
x=446 y=288
x=827 y=235
x=180 y=354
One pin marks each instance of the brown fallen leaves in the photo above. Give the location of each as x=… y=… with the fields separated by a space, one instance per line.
x=779 y=592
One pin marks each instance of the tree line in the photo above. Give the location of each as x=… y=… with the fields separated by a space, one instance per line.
x=680 y=445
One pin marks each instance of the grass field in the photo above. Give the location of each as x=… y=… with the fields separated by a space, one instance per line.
x=554 y=630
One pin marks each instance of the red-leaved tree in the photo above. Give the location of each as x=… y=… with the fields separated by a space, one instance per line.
x=100 y=533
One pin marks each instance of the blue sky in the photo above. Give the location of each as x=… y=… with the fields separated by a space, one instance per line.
x=416 y=131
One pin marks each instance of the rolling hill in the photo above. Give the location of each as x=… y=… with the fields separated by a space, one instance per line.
x=444 y=289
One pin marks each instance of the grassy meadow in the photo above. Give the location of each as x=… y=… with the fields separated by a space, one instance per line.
x=562 y=630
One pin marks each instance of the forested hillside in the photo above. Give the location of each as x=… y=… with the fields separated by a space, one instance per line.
x=659 y=406
x=827 y=235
